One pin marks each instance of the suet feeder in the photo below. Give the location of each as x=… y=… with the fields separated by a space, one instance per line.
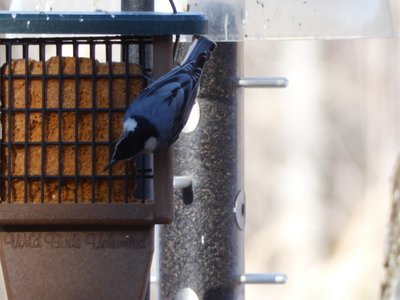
x=69 y=229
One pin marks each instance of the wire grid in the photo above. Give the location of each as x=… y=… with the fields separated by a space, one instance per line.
x=54 y=149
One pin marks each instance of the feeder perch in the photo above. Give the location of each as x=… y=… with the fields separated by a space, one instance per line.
x=69 y=229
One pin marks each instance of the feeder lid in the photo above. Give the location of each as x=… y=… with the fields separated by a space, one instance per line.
x=238 y=20
x=124 y=23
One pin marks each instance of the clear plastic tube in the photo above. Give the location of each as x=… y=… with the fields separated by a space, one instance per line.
x=294 y=19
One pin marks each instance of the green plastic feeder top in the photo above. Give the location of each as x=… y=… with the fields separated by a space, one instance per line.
x=124 y=23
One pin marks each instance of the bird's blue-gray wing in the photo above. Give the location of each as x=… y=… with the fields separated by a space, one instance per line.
x=167 y=102
x=162 y=106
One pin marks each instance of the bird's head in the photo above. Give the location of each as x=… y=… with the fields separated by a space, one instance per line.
x=134 y=139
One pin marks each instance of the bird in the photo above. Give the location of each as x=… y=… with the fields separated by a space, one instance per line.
x=156 y=117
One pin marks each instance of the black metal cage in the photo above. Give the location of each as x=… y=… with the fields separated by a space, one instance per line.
x=63 y=105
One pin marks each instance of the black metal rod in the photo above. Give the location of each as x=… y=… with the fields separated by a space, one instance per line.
x=25 y=56
x=203 y=248
x=43 y=156
x=60 y=122
x=75 y=50
x=92 y=55
x=141 y=54
x=124 y=49
x=110 y=116
x=10 y=116
x=143 y=57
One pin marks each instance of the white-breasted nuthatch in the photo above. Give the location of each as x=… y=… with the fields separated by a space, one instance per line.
x=157 y=116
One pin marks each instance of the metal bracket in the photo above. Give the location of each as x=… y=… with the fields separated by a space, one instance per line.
x=263 y=82
x=250 y=278
x=263 y=278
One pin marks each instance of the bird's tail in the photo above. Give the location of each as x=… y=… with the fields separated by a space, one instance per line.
x=201 y=47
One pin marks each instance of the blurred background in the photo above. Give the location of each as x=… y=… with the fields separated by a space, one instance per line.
x=319 y=158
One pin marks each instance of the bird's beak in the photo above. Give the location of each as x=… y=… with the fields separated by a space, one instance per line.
x=110 y=164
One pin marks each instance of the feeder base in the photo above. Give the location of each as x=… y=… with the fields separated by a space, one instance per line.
x=76 y=263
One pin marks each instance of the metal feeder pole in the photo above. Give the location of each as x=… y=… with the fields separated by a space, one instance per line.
x=202 y=251
x=140 y=5
x=137 y=5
